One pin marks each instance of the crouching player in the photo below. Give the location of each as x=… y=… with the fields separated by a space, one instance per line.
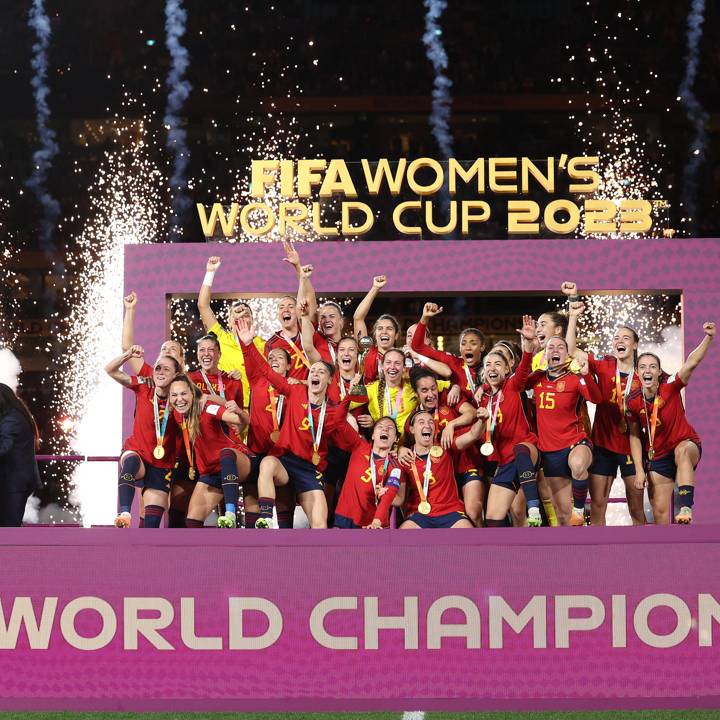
x=373 y=479
x=221 y=462
x=433 y=500
x=149 y=454
x=672 y=446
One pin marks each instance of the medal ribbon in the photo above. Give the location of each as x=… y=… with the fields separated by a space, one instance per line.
x=422 y=489
x=160 y=431
x=343 y=390
x=276 y=407
x=373 y=474
x=321 y=422
x=620 y=396
x=220 y=384
x=333 y=355
x=399 y=402
x=186 y=440
x=651 y=424
x=298 y=351
x=493 y=412
x=468 y=375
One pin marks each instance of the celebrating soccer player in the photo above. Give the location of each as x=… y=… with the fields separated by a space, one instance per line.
x=149 y=454
x=564 y=443
x=221 y=462
x=617 y=379
x=672 y=447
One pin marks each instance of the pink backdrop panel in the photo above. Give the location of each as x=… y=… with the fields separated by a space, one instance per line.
x=691 y=266
x=611 y=665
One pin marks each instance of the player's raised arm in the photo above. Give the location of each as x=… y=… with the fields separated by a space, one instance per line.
x=113 y=367
x=128 y=330
x=204 y=296
x=361 y=313
x=696 y=356
x=307 y=332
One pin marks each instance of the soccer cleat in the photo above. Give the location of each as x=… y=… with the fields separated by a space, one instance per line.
x=684 y=516
x=263 y=523
x=577 y=519
x=228 y=520
x=534 y=519
x=123 y=520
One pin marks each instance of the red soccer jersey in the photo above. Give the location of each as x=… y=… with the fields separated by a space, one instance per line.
x=442 y=491
x=559 y=406
x=295 y=433
x=372 y=363
x=143 y=440
x=358 y=500
x=299 y=364
x=326 y=347
x=606 y=431
x=231 y=388
x=459 y=368
x=211 y=440
x=512 y=424
x=672 y=426
x=358 y=404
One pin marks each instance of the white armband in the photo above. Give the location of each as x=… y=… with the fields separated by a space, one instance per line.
x=209 y=277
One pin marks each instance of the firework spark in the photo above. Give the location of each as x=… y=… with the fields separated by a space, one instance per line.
x=126 y=207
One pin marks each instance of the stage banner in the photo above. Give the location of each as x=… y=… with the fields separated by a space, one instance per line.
x=356 y=620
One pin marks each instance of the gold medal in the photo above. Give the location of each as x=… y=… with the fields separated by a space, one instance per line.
x=159 y=452
x=191 y=473
x=436 y=451
x=316 y=458
x=424 y=507
x=487 y=449
x=275 y=435
x=651 y=454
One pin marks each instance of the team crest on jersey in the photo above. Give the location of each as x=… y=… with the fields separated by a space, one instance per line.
x=561 y=386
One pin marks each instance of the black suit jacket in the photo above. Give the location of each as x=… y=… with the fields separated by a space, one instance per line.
x=18 y=467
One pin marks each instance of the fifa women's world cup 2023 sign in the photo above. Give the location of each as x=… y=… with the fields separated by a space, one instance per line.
x=297 y=197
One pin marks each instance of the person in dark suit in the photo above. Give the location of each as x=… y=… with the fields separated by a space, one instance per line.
x=19 y=475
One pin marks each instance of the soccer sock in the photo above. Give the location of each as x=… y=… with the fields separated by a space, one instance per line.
x=176 y=518
x=267 y=505
x=250 y=518
x=495 y=523
x=686 y=495
x=126 y=482
x=528 y=475
x=153 y=515
x=190 y=523
x=550 y=513
x=285 y=519
x=579 y=491
x=230 y=483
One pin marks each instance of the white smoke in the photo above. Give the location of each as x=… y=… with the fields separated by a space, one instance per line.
x=178 y=91
x=695 y=112
x=42 y=158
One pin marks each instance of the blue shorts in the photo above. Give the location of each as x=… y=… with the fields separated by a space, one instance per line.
x=666 y=464
x=555 y=463
x=252 y=477
x=155 y=478
x=344 y=523
x=606 y=462
x=463 y=479
x=439 y=521
x=304 y=476
x=507 y=476
x=214 y=480
x=337 y=466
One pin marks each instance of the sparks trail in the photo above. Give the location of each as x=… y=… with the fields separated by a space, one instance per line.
x=43 y=156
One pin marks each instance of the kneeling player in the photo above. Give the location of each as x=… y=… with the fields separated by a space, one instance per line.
x=433 y=500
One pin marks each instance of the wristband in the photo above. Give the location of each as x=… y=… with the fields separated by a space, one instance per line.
x=574 y=298
x=208 y=279
x=423 y=359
